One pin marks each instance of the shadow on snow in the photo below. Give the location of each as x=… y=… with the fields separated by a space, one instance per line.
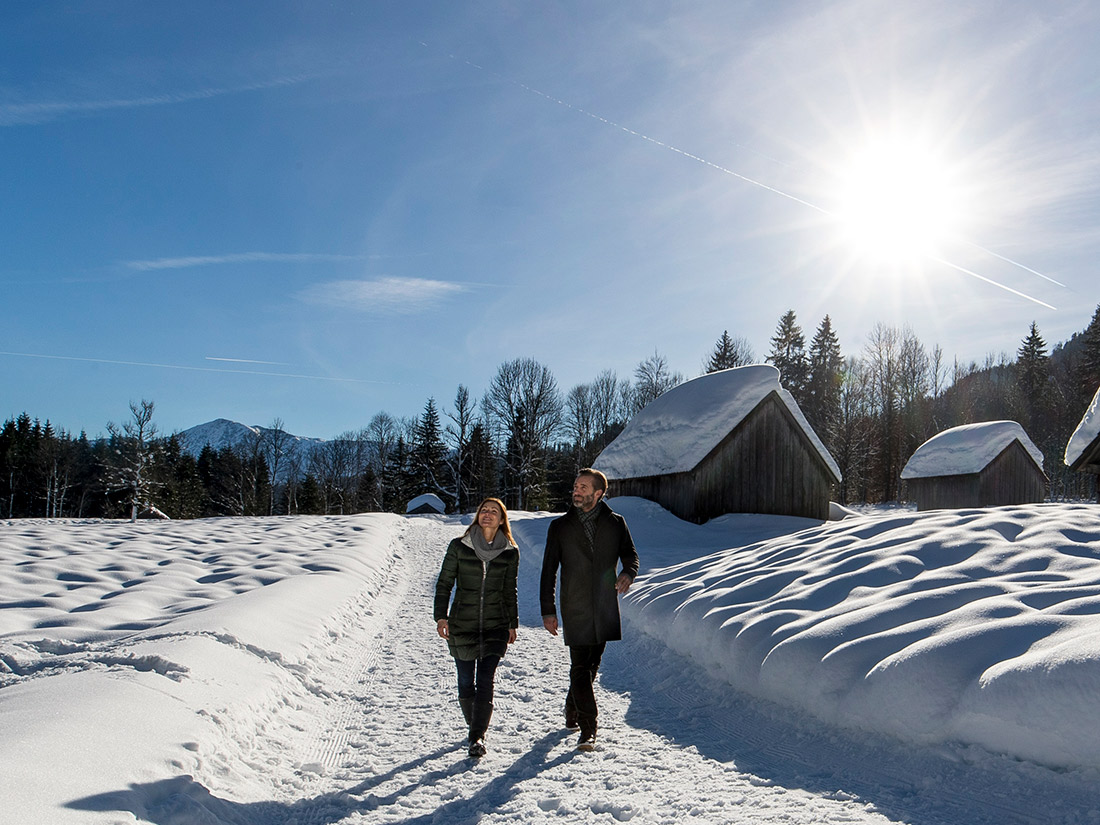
x=181 y=800
x=674 y=698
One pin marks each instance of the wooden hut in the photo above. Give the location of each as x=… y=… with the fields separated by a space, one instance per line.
x=428 y=503
x=732 y=441
x=1083 y=449
x=988 y=464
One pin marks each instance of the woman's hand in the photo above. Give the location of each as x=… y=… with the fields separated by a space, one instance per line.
x=511 y=635
x=443 y=629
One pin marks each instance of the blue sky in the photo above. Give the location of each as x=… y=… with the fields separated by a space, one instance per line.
x=319 y=211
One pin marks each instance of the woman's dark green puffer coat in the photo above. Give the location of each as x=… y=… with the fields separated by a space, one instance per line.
x=485 y=605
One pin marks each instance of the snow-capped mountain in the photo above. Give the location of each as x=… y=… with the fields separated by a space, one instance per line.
x=222 y=433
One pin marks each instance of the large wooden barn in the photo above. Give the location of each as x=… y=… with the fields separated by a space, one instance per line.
x=989 y=464
x=732 y=441
x=1083 y=448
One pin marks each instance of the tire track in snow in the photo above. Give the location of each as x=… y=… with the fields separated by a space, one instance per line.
x=356 y=657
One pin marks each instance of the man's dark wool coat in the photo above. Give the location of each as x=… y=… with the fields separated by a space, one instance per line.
x=589 y=603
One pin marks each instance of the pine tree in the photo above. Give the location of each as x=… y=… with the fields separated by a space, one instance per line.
x=1031 y=363
x=428 y=453
x=788 y=355
x=826 y=372
x=728 y=353
x=1032 y=372
x=1089 y=369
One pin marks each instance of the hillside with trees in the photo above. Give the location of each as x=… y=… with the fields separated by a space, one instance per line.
x=526 y=437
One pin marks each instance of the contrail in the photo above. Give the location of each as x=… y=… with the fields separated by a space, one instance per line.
x=33 y=114
x=637 y=134
x=247 y=361
x=752 y=181
x=194 y=369
x=966 y=271
x=1015 y=263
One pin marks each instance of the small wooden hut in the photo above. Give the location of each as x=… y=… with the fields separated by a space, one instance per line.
x=989 y=464
x=1083 y=449
x=732 y=441
x=428 y=503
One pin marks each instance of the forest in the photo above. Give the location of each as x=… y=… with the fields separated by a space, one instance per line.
x=526 y=437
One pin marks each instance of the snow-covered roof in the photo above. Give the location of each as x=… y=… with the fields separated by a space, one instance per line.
x=967 y=449
x=431 y=499
x=1086 y=432
x=677 y=430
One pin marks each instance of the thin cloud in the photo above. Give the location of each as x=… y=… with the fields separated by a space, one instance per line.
x=403 y=296
x=33 y=114
x=243 y=257
x=188 y=368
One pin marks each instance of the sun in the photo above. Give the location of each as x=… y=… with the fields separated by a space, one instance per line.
x=898 y=201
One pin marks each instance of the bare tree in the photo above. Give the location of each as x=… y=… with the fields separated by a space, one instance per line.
x=608 y=408
x=334 y=465
x=458 y=433
x=883 y=356
x=524 y=399
x=652 y=378
x=381 y=437
x=134 y=445
x=276 y=443
x=854 y=431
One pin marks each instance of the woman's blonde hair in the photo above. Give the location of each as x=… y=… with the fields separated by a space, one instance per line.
x=504 y=526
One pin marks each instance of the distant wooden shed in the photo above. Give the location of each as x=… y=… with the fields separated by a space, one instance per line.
x=989 y=464
x=1083 y=448
x=428 y=503
x=732 y=441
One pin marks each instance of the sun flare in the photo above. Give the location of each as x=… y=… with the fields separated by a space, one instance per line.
x=897 y=201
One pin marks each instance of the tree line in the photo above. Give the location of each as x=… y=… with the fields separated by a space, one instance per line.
x=525 y=438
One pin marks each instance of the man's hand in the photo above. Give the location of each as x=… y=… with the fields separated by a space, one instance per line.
x=551 y=624
x=443 y=629
x=622 y=584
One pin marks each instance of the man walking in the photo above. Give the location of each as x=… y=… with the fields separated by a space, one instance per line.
x=588 y=543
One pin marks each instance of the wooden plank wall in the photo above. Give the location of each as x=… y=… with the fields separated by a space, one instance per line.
x=1011 y=478
x=766 y=465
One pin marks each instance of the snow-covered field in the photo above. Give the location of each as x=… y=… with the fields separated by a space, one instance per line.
x=929 y=668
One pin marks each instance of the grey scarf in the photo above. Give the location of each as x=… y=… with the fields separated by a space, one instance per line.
x=485 y=551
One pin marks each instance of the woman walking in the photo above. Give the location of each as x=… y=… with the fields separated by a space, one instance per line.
x=481 y=567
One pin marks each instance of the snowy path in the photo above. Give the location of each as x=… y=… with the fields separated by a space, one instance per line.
x=383 y=742
x=373 y=735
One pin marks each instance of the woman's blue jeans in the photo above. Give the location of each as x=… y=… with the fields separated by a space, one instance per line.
x=475 y=678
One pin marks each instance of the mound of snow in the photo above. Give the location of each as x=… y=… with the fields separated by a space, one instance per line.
x=980 y=626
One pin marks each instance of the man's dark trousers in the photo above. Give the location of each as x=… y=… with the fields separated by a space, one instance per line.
x=584 y=663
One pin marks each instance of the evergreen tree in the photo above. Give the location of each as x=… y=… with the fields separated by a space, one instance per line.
x=1031 y=364
x=428 y=454
x=180 y=494
x=310 y=501
x=788 y=355
x=1089 y=365
x=1034 y=399
x=728 y=353
x=402 y=479
x=826 y=374
x=480 y=468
